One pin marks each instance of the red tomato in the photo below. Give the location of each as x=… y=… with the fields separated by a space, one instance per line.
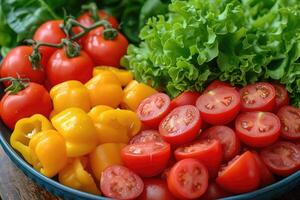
x=258 y=97
x=207 y=151
x=105 y=52
x=147 y=159
x=181 y=125
x=282 y=158
x=241 y=175
x=61 y=68
x=49 y=32
x=230 y=142
x=219 y=106
x=266 y=177
x=258 y=129
x=214 y=192
x=153 y=109
x=34 y=99
x=188 y=179
x=86 y=19
x=289 y=117
x=146 y=136
x=282 y=96
x=216 y=84
x=119 y=182
x=185 y=98
x=17 y=63
x=155 y=189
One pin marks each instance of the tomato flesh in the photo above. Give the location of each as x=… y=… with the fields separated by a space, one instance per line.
x=258 y=97
x=153 y=109
x=119 y=182
x=282 y=96
x=290 y=120
x=229 y=141
x=214 y=192
x=266 y=177
x=146 y=136
x=258 y=129
x=241 y=175
x=188 y=179
x=207 y=151
x=181 y=125
x=282 y=158
x=147 y=159
x=219 y=106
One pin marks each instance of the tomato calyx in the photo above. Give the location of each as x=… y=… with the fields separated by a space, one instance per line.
x=17 y=84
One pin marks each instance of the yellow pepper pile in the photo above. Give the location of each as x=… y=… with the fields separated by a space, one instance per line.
x=86 y=130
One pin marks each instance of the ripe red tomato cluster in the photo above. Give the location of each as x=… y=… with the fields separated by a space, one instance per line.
x=206 y=146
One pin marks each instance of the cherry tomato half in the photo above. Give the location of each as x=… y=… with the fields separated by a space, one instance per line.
x=230 y=142
x=214 y=192
x=207 y=151
x=181 y=125
x=153 y=109
x=219 y=106
x=147 y=159
x=282 y=158
x=240 y=175
x=155 y=189
x=266 y=177
x=282 y=96
x=258 y=129
x=185 y=98
x=290 y=121
x=146 y=136
x=216 y=84
x=61 y=68
x=188 y=179
x=34 y=99
x=258 y=97
x=119 y=182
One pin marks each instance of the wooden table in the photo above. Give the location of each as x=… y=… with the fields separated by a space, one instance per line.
x=14 y=185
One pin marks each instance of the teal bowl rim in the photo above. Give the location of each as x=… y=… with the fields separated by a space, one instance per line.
x=279 y=185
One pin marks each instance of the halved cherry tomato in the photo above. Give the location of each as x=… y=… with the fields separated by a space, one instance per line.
x=155 y=189
x=146 y=136
x=49 y=32
x=119 y=182
x=181 y=125
x=258 y=97
x=266 y=177
x=240 y=175
x=147 y=159
x=214 y=192
x=230 y=142
x=207 y=151
x=185 y=98
x=282 y=96
x=258 y=129
x=282 y=158
x=290 y=122
x=153 y=109
x=219 y=106
x=188 y=179
x=216 y=84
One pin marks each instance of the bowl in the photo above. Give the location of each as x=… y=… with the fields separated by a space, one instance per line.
x=269 y=192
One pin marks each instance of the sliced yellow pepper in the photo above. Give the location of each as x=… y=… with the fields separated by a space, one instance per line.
x=75 y=175
x=134 y=93
x=24 y=130
x=105 y=89
x=97 y=110
x=78 y=130
x=124 y=76
x=70 y=94
x=105 y=155
x=48 y=152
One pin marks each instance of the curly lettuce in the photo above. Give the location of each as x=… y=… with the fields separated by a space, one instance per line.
x=238 y=41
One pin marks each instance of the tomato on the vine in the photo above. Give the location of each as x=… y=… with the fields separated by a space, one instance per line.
x=106 y=52
x=33 y=99
x=61 y=68
x=86 y=19
x=16 y=64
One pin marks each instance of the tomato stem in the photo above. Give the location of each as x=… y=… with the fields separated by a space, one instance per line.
x=93 y=9
x=17 y=84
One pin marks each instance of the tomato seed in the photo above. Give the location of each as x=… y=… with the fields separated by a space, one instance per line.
x=227 y=101
x=247 y=125
x=209 y=106
x=159 y=102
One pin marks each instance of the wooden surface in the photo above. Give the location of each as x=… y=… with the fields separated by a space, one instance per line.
x=14 y=185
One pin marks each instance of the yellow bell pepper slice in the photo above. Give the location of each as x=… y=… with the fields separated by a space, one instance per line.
x=124 y=76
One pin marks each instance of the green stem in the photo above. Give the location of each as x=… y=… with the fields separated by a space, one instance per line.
x=93 y=9
x=17 y=84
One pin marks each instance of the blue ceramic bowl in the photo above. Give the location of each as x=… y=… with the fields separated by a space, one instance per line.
x=269 y=192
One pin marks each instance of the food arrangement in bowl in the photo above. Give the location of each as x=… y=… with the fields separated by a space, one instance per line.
x=204 y=104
